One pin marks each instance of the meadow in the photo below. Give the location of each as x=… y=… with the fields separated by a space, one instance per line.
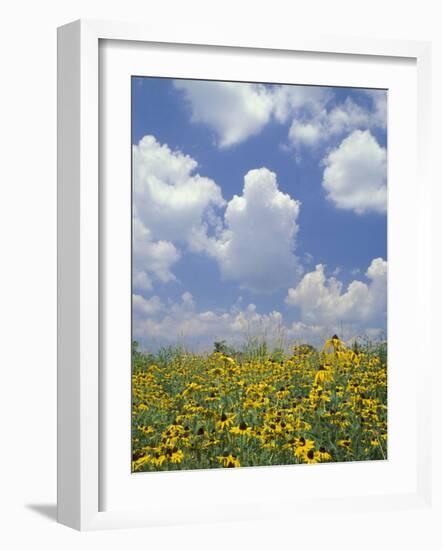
x=230 y=409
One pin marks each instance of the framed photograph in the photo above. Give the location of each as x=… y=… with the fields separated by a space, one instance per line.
x=239 y=224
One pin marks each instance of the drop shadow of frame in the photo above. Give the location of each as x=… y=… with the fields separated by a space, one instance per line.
x=49 y=511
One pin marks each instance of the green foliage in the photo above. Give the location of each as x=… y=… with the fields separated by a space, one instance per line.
x=255 y=349
x=221 y=346
x=167 y=354
x=258 y=406
x=277 y=355
x=140 y=360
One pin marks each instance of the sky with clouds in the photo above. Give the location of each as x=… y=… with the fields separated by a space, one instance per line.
x=257 y=210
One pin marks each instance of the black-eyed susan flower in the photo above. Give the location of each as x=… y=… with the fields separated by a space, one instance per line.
x=302 y=446
x=242 y=429
x=311 y=457
x=141 y=462
x=229 y=461
x=146 y=429
x=324 y=455
x=275 y=403
x=345 y=443
x=225 y=421
x=158 y=459
x=212 y=397
x=176 y=456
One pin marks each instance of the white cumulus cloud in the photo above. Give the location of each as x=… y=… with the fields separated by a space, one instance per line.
x=143 y=307
x=170 y=205
x=302 y=102
x=152 y=260
x=169 y=198
x=182 y=322
x=324 y=301
x=306 y=134
x=355 y=174
x=252 y=237
x=234 y=111
x=379 y=100
x=258 y=242
x=324 y=125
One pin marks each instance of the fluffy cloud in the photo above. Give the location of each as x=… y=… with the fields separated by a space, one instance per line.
x=151 y=259
x=355 y=175
x=306 y=134
x=304 y=333
x=301 y=102
x=171 y=204
x=323 y=301
x=181 y=322
x=320 y=126
x=253 y=241
x=143 y=307
x=234 y=111
x=379 y=100
x=156 y=324
x=257 y=244
x=169 y=198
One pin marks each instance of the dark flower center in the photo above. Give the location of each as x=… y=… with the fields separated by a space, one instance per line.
x=310 y=454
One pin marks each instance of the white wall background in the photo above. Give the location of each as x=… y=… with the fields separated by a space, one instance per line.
x=28 y=264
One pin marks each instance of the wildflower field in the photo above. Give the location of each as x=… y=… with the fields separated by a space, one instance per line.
x=224 y=410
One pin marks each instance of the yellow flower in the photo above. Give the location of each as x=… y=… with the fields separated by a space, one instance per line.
x=323 y=374
x=193 y=408
x=158 y=459
x=303 y=446
x=311 y=457
x=229 y=461
x=324 y=455
x=176 y=456
x=212 y=397
x=209 y=443
x=225 y=421
x=145 y=429
x=242 y=429
x=138 y=464
x=333 y=344
x=269 y=444
x=345 y=443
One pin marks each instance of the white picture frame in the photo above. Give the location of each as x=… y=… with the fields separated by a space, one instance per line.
x=79 y=294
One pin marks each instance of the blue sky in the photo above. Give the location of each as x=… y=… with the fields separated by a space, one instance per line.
x=304 y=248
